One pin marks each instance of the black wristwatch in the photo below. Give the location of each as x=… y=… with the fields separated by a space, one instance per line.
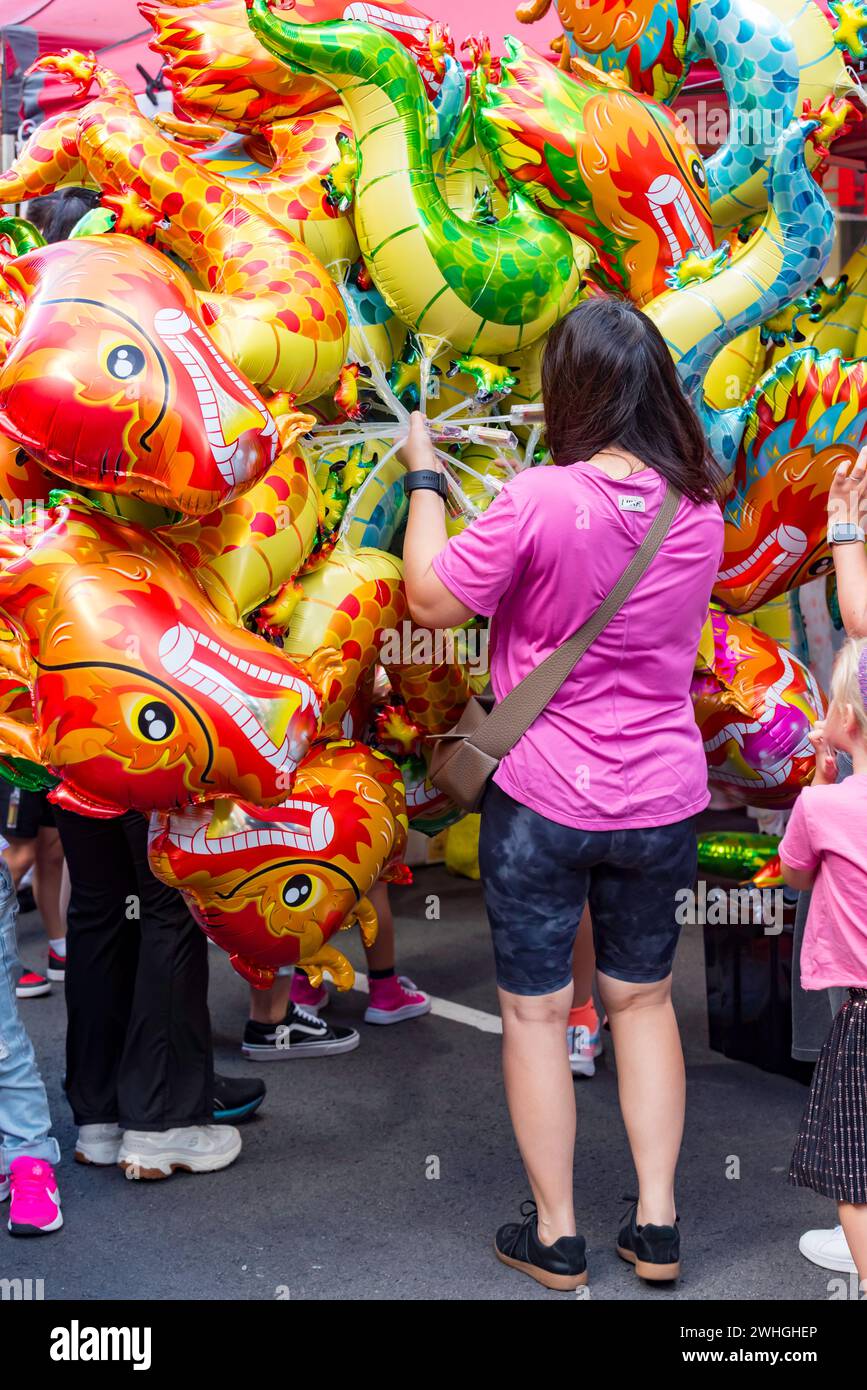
x=429 y=478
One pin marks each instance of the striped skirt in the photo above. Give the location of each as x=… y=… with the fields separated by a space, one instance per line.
x=831 y=1148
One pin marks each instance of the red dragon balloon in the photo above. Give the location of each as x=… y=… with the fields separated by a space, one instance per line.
x=142 y=694
x=113 y=381
x=272 y=887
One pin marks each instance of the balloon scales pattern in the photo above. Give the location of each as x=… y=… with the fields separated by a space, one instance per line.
x=204 y=388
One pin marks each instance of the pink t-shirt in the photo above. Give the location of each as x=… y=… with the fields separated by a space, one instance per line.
x=826 y=833
x=618 y=747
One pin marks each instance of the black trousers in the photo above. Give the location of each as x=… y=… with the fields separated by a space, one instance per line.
x=138 y=1046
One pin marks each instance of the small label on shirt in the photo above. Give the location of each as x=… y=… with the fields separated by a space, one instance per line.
x=628 y=503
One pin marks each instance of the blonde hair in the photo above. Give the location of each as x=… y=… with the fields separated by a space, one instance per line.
x=849 y=680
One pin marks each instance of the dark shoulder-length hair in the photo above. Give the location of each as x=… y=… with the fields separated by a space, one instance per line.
x=608 y=381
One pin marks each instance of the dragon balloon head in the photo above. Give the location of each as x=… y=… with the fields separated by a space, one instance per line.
x=113 y=381
x=616 y=168
x=271 y=887
x=142 y=694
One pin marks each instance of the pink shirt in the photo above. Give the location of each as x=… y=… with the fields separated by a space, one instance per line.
x=826 y=833
x=618 y=747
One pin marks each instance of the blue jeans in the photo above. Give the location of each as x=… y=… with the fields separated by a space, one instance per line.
x=24 y=1118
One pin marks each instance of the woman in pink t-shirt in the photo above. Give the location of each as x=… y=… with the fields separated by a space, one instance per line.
x=596 y=803
x=823 y=849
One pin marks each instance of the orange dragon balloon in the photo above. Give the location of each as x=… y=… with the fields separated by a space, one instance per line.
x=334 y=621
x=804 y=418
x=645 y=39
x=616 y=168
x=114 y=383
x=273 y=887
x=141 y=694
x=283 y=170
x=269 y=304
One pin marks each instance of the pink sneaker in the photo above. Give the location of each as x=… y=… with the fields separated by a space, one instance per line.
x=304 y=995
x=394 y=999
x=35 y=1208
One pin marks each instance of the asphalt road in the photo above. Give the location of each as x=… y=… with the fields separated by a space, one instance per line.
x=330 y=1198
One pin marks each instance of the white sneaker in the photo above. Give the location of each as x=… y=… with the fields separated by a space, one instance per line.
x=195 y=1148
x=583 y=1047
x=98 y=1144
x=828 y=1249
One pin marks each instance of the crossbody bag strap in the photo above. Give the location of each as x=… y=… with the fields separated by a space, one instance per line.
x=510 y=719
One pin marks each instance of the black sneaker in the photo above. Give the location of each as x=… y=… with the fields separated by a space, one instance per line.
x=301 y=1034
x=653 y=1250
x=31 y=984
x=56 y=966
x=562 y=1265
x=236 y=1098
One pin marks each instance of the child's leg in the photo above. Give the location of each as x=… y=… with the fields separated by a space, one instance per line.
x=380 y=956
x=24 y=1119
x=47 y=882
x=853 y=1219
x=393 y=999
x=583 y=1036
x=20 y=856
x=270 y=1005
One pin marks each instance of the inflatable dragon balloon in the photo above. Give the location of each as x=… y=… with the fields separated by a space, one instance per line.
x=483 y=289
x=614 y=167
x=270 y=306
x=141 y=693
x=273 y=887
x=777 y=59
x=114 y=382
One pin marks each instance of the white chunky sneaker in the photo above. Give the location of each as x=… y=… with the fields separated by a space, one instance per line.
x=195 y=1148
x=828 y=1250
x=98 y=1144
x=583 y=1048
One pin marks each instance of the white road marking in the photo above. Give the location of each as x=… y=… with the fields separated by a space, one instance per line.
x=445 y=1008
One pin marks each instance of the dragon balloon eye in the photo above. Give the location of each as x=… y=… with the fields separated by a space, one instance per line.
x=156 y=721
x=126 y=362
x=297 y=891
x=698 y=172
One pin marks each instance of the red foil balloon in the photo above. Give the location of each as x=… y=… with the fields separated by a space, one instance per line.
x=114 y=383
x=142 y=695
x=273 y=887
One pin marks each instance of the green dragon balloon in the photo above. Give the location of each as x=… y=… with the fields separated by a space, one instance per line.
x=483 y=288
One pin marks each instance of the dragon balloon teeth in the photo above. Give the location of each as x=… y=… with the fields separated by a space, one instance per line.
x=231 y=424
x=297 y=824
x=672 y=207
x=416 y=26
x=253 y=696
x=141 y=693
